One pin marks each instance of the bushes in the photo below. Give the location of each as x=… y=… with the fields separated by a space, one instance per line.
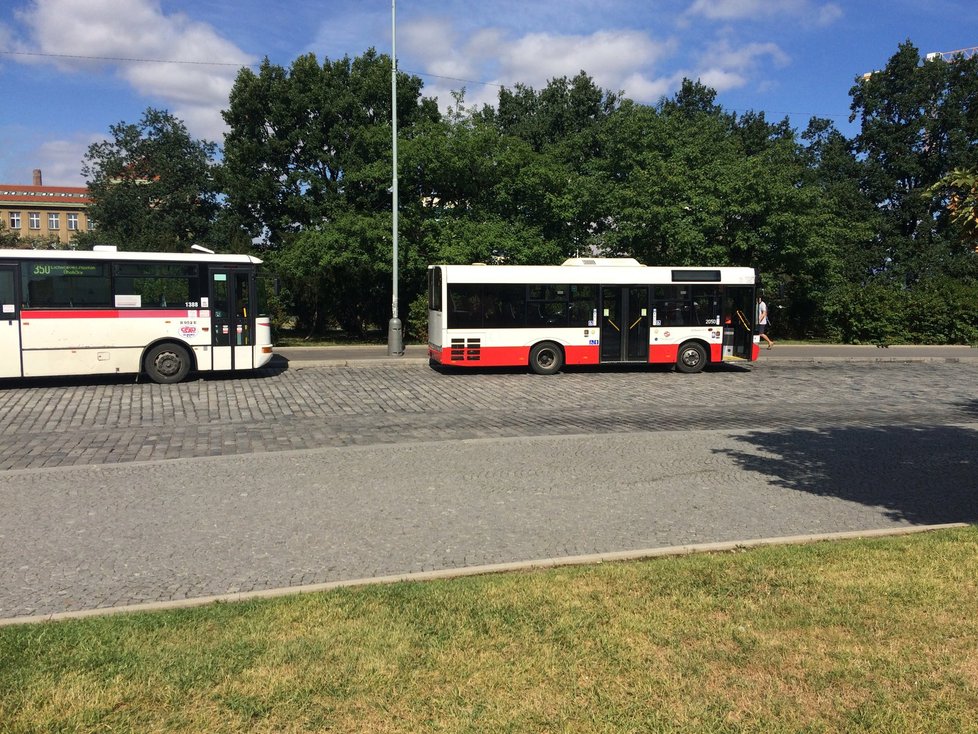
x=938 y=311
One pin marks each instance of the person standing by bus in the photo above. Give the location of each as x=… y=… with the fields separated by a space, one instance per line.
x=762 y=322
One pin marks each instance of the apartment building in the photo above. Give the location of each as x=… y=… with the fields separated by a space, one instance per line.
x=39 y=211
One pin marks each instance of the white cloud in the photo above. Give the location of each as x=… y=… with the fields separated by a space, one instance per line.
x=139 y=29
x=608 y=56
x=60 y=160
x=723 y=66
x=828 y=14
x=625 y=60
x=746 y=57
x=615 y=59
x=731 y=10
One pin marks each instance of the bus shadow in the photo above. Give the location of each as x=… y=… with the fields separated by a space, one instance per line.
x=608 y=368
x=920 y=475
x=24 y=383
x=275 y=367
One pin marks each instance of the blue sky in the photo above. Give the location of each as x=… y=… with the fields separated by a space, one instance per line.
x=71 y=68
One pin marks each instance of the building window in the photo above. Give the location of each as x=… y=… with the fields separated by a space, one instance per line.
x=54 y=220
x=14 y=220
x=72 y=222
x=34 y=220
x=89 y=223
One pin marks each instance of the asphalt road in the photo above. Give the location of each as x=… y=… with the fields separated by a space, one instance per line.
x=330 y=469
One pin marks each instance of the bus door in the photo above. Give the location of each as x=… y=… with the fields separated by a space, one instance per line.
x=232 y=320
x=625 y=324
x=9 y=323
x=738 y=323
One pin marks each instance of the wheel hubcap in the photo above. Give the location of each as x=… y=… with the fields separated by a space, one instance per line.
x=167 y=364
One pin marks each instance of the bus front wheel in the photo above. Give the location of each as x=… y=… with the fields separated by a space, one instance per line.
x=692 y=358
x=166 y=363
x=546 y=358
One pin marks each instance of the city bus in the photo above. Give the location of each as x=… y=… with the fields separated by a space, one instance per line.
x=105 y=312
x=590 y=311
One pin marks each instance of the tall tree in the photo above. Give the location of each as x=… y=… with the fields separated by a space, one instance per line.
x=307 y=165
x=919 y=121
x=314 y=140
x=152 y=185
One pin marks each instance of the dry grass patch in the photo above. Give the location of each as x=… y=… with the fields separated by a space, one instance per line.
x=873 y=636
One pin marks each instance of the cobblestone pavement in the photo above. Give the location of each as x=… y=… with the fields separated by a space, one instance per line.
x=73 y=423
x=118 y=493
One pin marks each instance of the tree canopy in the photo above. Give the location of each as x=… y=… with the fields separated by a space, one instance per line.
x=862 y=239
x=153 y=187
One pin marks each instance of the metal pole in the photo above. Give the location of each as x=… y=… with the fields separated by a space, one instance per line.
x=395 y=343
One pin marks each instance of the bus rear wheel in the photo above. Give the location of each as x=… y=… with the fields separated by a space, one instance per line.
x=167 y=363
x=546 y=358
x=692 y=358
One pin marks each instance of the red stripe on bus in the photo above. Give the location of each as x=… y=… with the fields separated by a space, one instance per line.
x=663 y=353
x=582 y=355
x=470 y=356
x=109 y=313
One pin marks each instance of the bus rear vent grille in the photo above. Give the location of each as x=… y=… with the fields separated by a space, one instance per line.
x=466 y=350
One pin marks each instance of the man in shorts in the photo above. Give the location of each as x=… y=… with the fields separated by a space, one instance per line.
x=760 y=326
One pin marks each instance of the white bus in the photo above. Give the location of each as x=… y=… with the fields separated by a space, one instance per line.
x=105 y=312
x=588 y=312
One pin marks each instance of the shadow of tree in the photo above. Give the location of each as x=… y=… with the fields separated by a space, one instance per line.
x=921 y=475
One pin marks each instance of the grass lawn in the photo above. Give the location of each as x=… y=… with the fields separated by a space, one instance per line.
x=853 y=636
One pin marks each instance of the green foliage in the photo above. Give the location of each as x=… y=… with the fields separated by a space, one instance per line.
x=918 y=124
x=152 y=185
x=867 y=314
x=309 y=143
x=941 y=310
x=339 y=274
x=959 y=190
x=8 y=239
x=307 y=168
x=869 y=239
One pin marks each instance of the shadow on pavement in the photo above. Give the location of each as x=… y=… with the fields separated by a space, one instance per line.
x=613 y=368
x=275 y=367
x=921 y=475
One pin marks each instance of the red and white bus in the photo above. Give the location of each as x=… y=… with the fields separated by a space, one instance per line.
x=105 y=312
x=590 y=311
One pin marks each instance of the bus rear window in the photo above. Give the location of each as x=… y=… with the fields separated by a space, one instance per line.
x=434 y=289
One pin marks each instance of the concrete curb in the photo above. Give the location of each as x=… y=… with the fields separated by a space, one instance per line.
x=388 y=361
x=452 y=573
x=903 y=360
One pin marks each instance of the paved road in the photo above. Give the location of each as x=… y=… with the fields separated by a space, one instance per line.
x=117 y=493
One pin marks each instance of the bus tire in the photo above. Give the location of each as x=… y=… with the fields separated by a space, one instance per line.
x=167 y=363
x=691 y=358
x=546 y=358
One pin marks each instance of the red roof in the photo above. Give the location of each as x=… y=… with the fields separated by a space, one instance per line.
x=44 y=195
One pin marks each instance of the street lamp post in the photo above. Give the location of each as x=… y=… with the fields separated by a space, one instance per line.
x=395 y=342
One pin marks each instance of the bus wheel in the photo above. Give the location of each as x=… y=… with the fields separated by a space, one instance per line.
x=546 y=358
x=692 y=358
x=166 y=363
